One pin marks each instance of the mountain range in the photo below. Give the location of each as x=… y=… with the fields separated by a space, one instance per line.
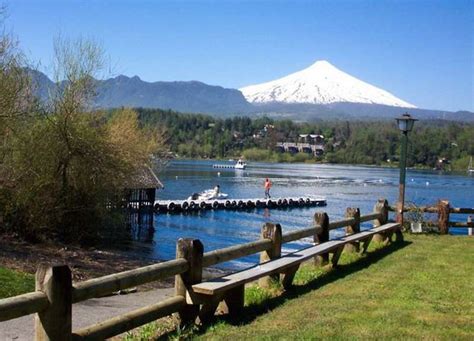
x=320 y=91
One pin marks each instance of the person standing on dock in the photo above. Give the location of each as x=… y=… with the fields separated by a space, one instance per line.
x=267 y=185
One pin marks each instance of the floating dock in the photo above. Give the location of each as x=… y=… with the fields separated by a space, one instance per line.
x=177 y=206
x=225 y=166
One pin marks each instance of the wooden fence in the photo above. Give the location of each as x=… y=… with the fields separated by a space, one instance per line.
x=55 y=293
x=444 y=210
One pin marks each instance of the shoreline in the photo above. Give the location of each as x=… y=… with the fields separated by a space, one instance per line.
x=85 y=263
x=384 y=165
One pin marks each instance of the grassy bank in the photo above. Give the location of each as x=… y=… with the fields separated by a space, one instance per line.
x=15 y=283
x=421 y=289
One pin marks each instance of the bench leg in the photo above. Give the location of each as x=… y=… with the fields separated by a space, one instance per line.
x=188 y=314
x=288 y=276
x=208 y=309
x=389 y=236
x=265 y=282
x=398 y=235
x=379 y=237
x=366 y=243
x=233 y=302
x=352 y=247
x=321 y=260
x=336 y=255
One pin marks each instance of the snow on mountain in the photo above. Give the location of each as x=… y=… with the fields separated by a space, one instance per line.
x=321 y=83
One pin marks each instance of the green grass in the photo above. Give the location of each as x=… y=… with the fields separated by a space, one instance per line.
x=15 y=283
x=419 y=289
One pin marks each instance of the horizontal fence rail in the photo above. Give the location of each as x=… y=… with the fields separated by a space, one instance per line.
x=461 y=224
x=101 y=286
x=432 y=209
x=456 y=224
x=370 y=217
x=300 y=234
x=22 y=305
x=443 y=210
x=342 y=223
x=131 y=320
x=233 y=252
x=56 y=294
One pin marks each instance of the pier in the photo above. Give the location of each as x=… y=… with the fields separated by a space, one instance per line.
x=176 y=206
x=219 y=165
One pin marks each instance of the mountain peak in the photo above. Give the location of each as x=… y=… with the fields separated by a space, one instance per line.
x=321 y=63
x=320 y=83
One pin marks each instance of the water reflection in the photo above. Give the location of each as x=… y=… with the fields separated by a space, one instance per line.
x=141 y=226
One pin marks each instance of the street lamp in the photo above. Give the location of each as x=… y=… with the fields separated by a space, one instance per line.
x=405 y=124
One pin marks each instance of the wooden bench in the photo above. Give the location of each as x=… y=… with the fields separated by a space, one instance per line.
x=230 y=288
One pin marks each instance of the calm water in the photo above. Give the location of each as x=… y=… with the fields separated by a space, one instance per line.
x=342 y=186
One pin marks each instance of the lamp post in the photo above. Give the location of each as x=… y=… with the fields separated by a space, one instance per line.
x=405 y=124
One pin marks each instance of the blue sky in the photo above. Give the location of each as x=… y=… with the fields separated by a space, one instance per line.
x=421 y=51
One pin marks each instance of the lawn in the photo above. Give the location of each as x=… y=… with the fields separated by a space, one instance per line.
x=15 y=283
x=420 y=289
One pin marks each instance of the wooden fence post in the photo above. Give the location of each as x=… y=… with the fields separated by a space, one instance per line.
x=381 y=207
x=273 y=232
x=321 y=219
x=469 y=230
x=354 y=228
x=191 y=250
x=443 y=216
x=55 y=322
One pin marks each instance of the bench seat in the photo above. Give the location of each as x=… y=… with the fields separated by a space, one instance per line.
x=219 y=285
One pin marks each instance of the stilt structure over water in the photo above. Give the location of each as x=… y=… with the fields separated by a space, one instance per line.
x=176 y=206
x=140 y=194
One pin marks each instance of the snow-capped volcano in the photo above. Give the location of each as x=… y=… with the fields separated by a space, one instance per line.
x=321 y=83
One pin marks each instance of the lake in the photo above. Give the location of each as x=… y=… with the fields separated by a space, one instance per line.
x=342 y=185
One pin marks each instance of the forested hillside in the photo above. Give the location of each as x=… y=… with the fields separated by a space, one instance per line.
x=353 y=142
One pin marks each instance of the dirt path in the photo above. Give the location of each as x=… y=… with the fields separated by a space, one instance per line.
x=87 y=312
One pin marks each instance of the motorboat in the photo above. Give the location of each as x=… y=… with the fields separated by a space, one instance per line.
x=240 y=164
x=208 y=194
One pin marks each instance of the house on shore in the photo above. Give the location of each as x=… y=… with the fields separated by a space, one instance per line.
x=307 y=143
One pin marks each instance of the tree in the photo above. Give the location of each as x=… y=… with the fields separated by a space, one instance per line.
x=72 y=164
x=15 y=93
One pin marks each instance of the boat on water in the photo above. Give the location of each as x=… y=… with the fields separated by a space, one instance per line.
x=240 y=164
x=208 y=194
x=470 y=168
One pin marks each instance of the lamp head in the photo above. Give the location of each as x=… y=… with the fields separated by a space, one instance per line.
x=405 y=123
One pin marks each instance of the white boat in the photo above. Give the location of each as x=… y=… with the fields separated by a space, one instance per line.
x=241 y=164
x=238 y=165
x=208 y=194
x=470 y=168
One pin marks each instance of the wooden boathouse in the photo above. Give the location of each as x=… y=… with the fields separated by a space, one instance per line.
x=140 y=194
